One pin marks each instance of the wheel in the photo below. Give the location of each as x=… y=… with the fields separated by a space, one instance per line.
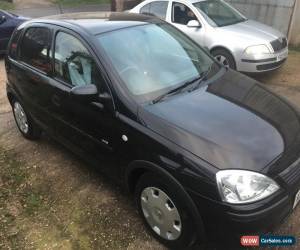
x=24 y=122
x=166 y=216
x=224 y=57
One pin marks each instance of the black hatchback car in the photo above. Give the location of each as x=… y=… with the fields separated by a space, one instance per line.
x=202 y=148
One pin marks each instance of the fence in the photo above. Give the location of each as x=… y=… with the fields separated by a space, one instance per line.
x=56 y=9
x=276 y=13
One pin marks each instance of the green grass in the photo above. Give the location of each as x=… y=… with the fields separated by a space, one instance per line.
x=6 y=5
x=295 y=48
x=79 y=2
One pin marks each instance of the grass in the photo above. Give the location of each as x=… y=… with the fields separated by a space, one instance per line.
x=295 y=48
x=6 y=5
x=38 y=211
x=79 y=2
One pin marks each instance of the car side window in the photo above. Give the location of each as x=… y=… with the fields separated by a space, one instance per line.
x=182 y=14
x=145 y=9
x=35 y=48
x=13 y=49
x=157 y=8
x=73 y=62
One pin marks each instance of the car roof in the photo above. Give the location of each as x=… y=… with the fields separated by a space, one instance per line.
x=98 y=22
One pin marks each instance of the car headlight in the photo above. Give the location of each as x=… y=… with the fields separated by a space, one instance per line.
x=241 y=186
x=257 y=49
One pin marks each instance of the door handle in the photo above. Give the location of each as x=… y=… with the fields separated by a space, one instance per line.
x=56 y=100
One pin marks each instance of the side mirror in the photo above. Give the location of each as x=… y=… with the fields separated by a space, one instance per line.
x=194 y=24
x=86 y=93
x=2 y=19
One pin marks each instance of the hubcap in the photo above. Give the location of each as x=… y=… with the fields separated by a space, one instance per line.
x=161 y=213
x=222 y=59
x=21 y=118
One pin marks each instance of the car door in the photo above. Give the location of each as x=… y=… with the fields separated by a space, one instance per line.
x=89 y=126
x=181 y=14
x=33 y=71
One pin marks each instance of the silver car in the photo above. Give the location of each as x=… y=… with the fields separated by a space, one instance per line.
x=234 y=40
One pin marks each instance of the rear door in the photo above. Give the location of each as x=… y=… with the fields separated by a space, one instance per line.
x=34 y=70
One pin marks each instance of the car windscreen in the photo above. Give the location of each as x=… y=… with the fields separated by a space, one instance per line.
x=153 y=59
x=219 y=12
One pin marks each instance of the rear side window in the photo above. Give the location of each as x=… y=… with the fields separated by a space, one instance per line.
x=35 y=48
x=13 y=49
x=145 y=9
x=158 y=8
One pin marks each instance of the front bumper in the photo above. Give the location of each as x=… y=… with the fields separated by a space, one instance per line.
x=262 y=63
x=229 y=222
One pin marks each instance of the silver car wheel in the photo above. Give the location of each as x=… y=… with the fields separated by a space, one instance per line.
x=161 y=213
x=21 y=118
x=222 y=59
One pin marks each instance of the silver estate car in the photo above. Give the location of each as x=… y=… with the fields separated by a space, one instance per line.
x=234 y=40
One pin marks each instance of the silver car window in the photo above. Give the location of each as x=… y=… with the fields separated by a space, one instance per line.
x=157 y=8
x=182 y=14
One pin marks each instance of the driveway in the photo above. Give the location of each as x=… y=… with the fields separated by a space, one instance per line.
x=50 y=199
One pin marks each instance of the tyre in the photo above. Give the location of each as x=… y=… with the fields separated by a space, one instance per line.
x=224 y=57
x=167 y=216
x=25 y=123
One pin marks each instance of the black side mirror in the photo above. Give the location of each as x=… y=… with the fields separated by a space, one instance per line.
x=86 y=93
x=2 y=19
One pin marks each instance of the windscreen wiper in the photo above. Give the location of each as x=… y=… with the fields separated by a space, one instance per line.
x=178 y=89
x=203 y=77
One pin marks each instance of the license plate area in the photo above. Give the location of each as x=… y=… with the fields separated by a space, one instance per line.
x=297 y=200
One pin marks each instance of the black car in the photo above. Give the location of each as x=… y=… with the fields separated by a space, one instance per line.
x=202 y=148
x=8 y=23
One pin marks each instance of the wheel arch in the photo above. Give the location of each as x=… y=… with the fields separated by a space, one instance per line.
x=11 y=97
x=137 y=168
x=220 y=47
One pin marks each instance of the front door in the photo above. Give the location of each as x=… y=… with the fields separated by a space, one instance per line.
x=180 y=16
x=90 y=126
